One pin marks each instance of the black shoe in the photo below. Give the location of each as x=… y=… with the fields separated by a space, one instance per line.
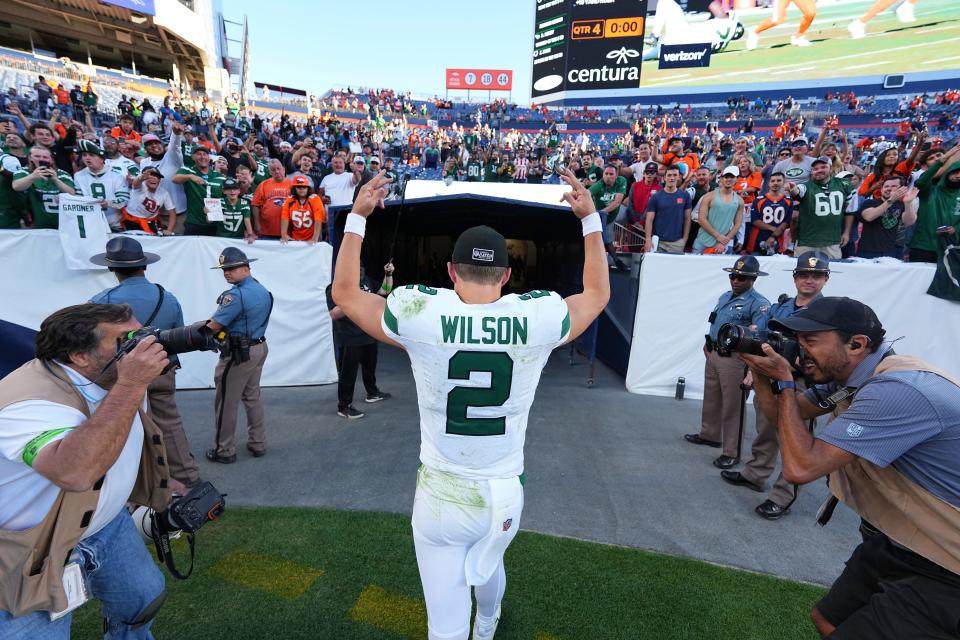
x=735 y=477
x=621 y=265
x=770 y=510
x=350 y=413
x=376 y=397
x=256 y=453
x=725 y=462
x=694 y=438
x=213 y=456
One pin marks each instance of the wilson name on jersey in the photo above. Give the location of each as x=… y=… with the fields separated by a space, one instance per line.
x=477 y=367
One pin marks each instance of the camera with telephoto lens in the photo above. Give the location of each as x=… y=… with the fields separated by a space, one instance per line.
x=734 y=338
x=195 y=337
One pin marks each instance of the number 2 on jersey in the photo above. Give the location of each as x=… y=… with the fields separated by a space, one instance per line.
x=500 y=367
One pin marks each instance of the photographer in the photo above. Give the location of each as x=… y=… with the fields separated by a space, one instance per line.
x=77 y=445
x=891 y=453
x=153 y=306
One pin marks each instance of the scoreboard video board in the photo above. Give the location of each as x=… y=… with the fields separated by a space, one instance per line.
x=582 y=45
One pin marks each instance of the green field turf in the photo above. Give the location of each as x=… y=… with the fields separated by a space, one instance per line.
x=319 y=574
x=929 y=44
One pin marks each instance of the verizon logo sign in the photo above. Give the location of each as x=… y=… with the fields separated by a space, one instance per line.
x=678 y=56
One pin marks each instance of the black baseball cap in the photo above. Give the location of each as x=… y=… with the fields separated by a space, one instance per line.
x=834 y=314
x=481 y=246
x=651 y=167
x=230 y=183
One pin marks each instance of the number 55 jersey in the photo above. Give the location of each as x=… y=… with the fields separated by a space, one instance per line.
x=476 y=367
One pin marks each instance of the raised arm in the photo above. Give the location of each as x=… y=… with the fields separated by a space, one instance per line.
x=363 y=307
x=586 y=306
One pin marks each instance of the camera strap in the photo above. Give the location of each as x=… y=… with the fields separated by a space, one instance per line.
x=156 y=309
x=161 y=541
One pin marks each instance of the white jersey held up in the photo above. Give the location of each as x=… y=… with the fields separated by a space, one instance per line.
x=476 y=367
x=110 y=185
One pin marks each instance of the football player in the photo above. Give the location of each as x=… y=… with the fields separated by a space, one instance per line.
x=671 y=26
x=807 y=7
x=905 y=14
x=477 y=357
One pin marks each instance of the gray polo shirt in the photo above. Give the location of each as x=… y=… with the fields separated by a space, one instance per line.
x=910 y=419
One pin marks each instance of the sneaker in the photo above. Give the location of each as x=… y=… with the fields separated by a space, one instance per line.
x=350 y=413
x=753 y=39
x=800 y=41
x=377 y=397
x=857 y=29
x=487 y=633
x=905 y=13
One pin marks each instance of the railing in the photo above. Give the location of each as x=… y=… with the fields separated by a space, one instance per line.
x=627 y=239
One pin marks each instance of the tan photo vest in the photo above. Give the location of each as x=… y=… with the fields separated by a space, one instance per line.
x=904 y=511
x=32 y=561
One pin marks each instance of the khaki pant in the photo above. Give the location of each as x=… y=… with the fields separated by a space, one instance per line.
x=763 y=459
x=832 y=250
x=721 y=401
x=236 y=383
x=163 y=410
x=671 y=247
x=179 y=224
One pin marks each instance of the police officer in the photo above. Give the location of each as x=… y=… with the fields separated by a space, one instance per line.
x=153 y=306
x=809 y=276
x=720 y=421
x=242 y=316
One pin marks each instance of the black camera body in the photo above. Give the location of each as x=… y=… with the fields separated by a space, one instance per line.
x=194 y=337
x=734 y=338
x=188 y=513
x=202 y=504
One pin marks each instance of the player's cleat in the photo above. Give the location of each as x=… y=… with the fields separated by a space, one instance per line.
x=800 y=41
x=350 y=413
x=857 y=29
x=486 y=632
x=377 y=397
x=905 y=13
x=753 y=39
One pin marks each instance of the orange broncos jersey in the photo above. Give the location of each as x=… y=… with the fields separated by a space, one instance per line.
x=304 y=216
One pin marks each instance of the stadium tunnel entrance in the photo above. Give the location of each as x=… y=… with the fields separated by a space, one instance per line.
x=545 y=242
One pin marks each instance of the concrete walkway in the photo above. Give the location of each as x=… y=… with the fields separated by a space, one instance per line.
x=602 y=464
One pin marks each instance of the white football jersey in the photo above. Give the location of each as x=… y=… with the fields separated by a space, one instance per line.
x=110 y=185
x=477 y=367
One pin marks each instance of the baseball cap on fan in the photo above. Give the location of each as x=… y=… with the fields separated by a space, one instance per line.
x=481 y=246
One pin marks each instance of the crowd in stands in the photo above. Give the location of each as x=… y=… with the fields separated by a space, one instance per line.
x=769 y=191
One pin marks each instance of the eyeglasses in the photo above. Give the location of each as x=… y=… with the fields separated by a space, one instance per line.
x=737 y=276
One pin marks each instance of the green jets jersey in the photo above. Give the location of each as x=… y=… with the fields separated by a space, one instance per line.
x=43 y=197
x=233 y=216
x=821 y=212
x=196 y=193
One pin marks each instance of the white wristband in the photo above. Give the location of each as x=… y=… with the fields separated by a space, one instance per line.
x=355 y=224
x=591 y=224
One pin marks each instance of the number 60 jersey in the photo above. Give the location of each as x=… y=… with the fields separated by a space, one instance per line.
x=477 y=367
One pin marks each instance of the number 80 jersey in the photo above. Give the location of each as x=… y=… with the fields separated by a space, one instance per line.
x=476 y=367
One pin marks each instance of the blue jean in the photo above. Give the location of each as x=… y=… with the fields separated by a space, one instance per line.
x=122 y=575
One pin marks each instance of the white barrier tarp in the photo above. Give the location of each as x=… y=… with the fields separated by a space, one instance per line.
x=677 y=293
x=549 y=194
x=35 y=283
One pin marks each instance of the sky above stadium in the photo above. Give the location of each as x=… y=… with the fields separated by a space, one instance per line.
x=401 y=45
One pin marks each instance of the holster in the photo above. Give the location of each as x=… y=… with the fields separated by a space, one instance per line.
x=707 y=343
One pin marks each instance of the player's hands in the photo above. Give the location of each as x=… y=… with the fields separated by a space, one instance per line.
x=370 y=194
x=578 y=197
x=144 y=363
